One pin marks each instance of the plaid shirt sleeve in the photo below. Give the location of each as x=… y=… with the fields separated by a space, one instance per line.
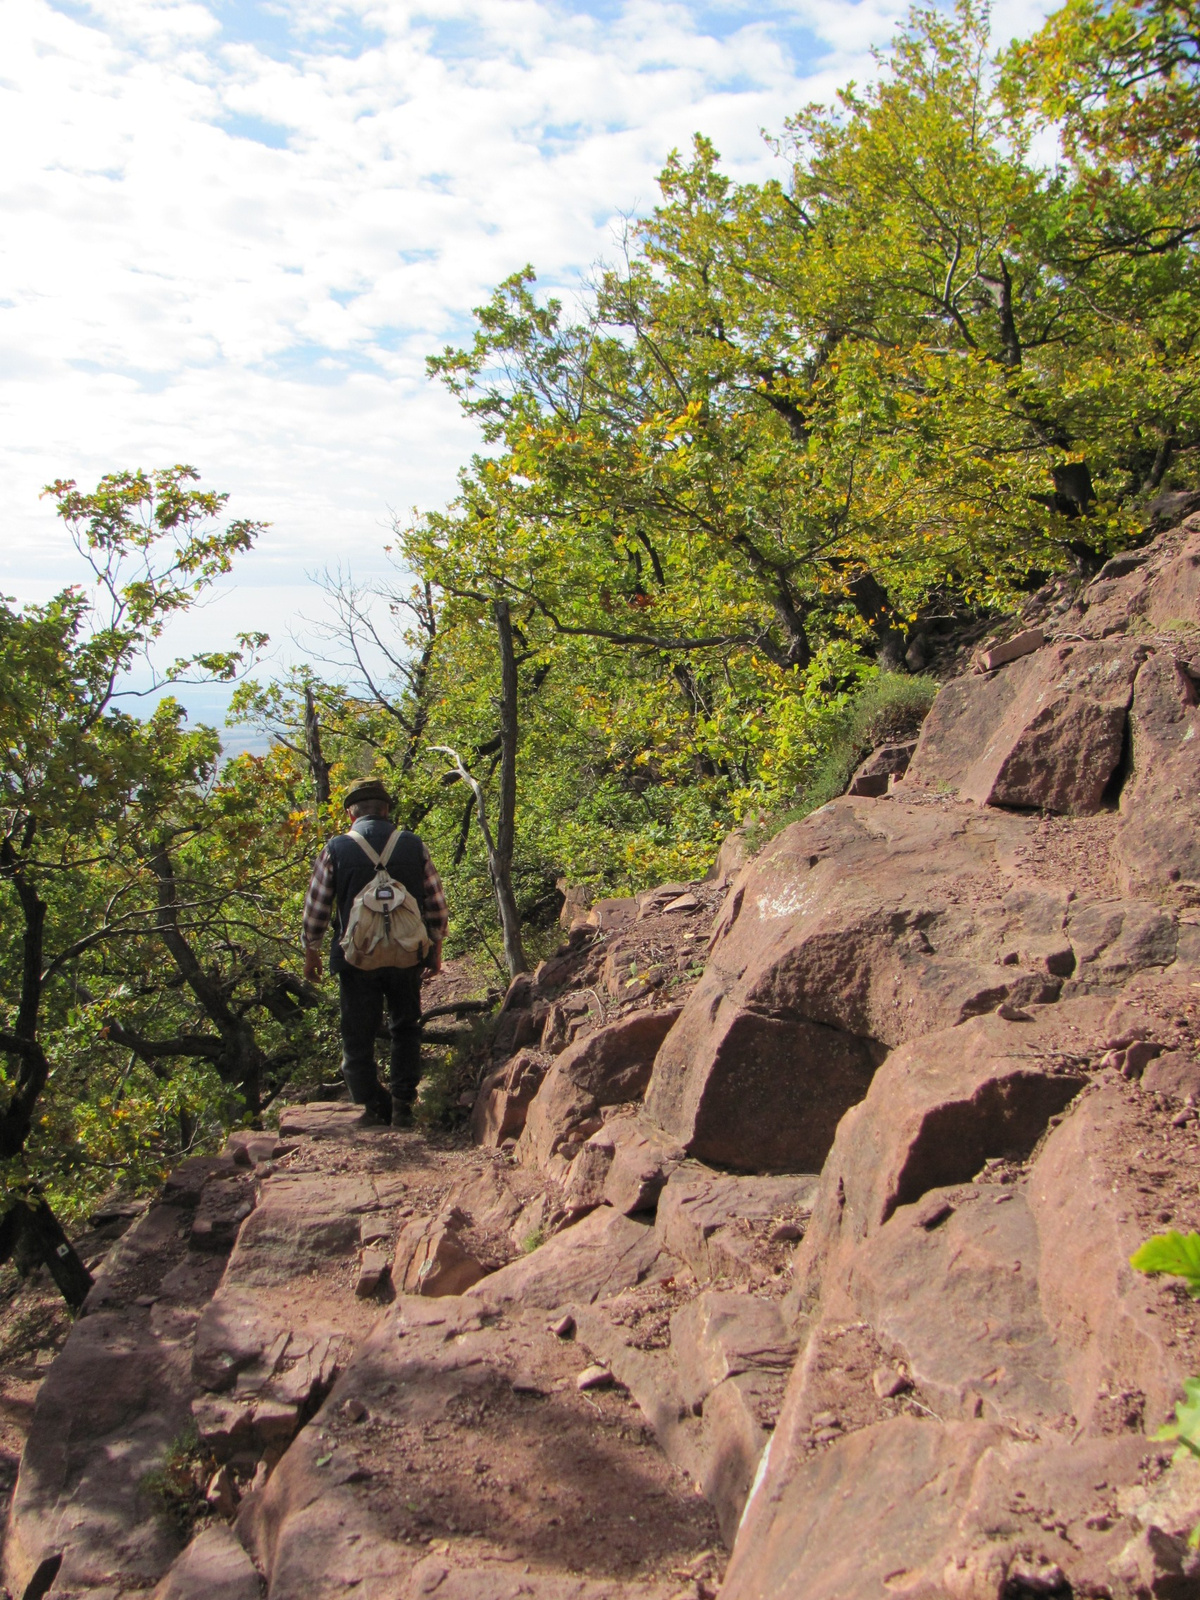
x=436 y=914
x=318 y=903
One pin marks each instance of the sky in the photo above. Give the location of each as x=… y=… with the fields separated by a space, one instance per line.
x=232 y=230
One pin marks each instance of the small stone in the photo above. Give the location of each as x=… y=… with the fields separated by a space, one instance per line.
x=564 y=1327
x=429 y=1574
x=1021 y=644
x=685 y=902
x=354 y=1409
x=146 y=1300
x=1182 y=1118
x=1011 y=1013
x=275 y=1422
x=826 y=1419
x=1027 y=1578
x=1139 y=1056
x=824 y=1435
x=220 y=1493
x=594 y=1377
x=785 y=1233
x=371 y=1273
x=524 y=1383
x=888 y=1381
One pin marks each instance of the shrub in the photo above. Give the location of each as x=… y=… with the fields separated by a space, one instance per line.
x=888 y=709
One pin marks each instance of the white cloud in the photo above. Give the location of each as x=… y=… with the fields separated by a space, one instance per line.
x=233 y=230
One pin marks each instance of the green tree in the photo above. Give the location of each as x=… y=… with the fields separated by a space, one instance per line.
x=82 y=782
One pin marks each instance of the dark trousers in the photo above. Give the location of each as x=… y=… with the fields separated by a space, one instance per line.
x=363 y=996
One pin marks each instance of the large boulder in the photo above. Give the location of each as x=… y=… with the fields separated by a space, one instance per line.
x=1045 y=731
x=869 y=923
x=1158 y=833
x=601 y=1255
x=504 y=1098
x=938 y=1109
x=607 y=1068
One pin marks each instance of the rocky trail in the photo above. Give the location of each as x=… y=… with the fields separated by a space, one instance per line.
x=787 y=1252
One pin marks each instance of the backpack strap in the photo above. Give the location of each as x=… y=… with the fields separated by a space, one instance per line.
x=378 y=861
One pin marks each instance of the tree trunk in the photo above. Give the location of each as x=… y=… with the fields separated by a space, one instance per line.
x=34 y=1069
x=32 y=1236
x=241 y=1060
x=506 y=904
x=875 y=608
x=312 y=747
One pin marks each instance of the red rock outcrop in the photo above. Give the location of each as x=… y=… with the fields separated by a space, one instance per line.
x=606 y=1068
x=1046 y=730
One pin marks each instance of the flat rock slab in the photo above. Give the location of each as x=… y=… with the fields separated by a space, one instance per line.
x=110 y=1405
x=958 y=1510
x=318 y=1118
x=706 y=1218
x=1158 y=830
x=869 y=923
x=951 y=1286
x=1116 y=1346
x=300 y=1223
x=599 y=1256
x=115 y=1398
x=479 y=1467
x=213 y=1567
x=857 y=1518
x=936 y=1111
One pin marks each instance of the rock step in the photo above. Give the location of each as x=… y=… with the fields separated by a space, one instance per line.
x=456 y=1451
x=457 y=1454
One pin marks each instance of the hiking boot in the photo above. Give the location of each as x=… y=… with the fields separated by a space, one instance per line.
x=402 y=1113
x=371 y=1118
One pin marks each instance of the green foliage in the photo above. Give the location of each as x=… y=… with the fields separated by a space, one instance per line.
x=177 y=1487
x=1172 y=1252
x=792 y=439
x=1179 y=1255
x=149 y=988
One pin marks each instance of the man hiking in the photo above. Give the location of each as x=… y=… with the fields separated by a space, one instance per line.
x=388 y=933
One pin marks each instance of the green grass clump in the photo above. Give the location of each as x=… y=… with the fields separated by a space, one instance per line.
x=177 y=1486
x=888 y=709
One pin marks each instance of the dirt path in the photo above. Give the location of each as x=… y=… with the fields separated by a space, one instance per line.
x=457 y=1438
x=377 y=1446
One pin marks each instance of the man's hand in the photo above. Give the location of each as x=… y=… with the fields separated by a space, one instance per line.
x=312 y=964
x=433 y=962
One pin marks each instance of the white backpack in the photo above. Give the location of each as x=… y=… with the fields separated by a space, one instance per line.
x=384 y=928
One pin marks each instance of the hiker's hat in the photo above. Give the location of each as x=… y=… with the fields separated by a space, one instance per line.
x=365 y=789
